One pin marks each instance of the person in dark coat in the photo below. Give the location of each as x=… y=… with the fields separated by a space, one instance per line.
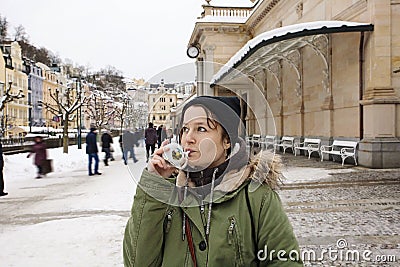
x=150 y=135
x=120 y=145
x=129 y=140
x=40 y=151
x=159 y=130
x=92 y=150
x=2 y=193
x=106 y=141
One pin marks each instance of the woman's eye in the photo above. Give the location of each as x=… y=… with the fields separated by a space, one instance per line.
x=202 y=129
x=185 y=129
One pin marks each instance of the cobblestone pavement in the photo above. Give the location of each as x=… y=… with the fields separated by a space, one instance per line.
x=348 y=211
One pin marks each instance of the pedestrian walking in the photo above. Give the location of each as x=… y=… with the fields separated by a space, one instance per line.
x=106 y=141
x=223 y=209
x=121 y=146
x=164 y=134
x=2 y=193
x=150 y=135
x=159 y=136
x=92 y=151
x=129 y=140
x=40 y=151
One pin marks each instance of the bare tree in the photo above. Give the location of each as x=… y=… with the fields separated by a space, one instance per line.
x=66 y=104
x=100 y=109
x=121 y=108
x=3 y=29
x=20 y=34
x=7 y=97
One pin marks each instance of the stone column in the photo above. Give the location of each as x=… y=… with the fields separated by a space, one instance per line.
x=208 y=68
x=379 y=147
x=200 y=76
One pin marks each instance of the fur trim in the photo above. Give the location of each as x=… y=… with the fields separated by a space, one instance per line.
x=267 y=168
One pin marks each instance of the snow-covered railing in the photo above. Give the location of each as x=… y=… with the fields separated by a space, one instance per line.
x=14 y=141
x=242 y=12
x=229 y=12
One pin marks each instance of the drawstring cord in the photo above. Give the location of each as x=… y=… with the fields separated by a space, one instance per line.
x=210 y=204
x=184 y=214
x=202 y=206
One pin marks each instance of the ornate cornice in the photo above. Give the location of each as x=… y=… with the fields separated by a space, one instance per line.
x=262 y=15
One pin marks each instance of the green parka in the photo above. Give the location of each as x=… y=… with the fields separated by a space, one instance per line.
x=248 y=225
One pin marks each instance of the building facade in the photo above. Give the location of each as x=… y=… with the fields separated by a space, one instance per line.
x=325 y=69
x=15 y=112
x=35 y=85
x=161 y=100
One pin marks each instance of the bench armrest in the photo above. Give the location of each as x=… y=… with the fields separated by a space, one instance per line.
x=347 y=150
x=300 y=144
x=326 y=148
x=313 y=145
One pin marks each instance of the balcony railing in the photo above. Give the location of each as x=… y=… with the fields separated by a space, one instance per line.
x=241 y=12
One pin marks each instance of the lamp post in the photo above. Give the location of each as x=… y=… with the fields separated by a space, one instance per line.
x=79 y=115
x=30 y=111
x=1 y=111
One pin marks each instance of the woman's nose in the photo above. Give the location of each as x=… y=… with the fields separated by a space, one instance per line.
x=190 y=137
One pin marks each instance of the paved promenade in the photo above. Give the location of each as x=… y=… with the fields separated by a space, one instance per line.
x=342 y=216
x=351 y=212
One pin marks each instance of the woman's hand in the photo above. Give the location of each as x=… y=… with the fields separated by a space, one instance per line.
x=157 y=163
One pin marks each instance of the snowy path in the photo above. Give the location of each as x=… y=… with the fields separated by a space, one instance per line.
x=66 y=218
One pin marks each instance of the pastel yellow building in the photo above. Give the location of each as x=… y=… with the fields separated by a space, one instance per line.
x=160 y=102
x=15 y=112
x=50 y=85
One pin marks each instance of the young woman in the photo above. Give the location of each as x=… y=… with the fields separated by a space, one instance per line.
x=221 y=210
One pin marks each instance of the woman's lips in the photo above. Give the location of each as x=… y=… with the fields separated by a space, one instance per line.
x=190 y=151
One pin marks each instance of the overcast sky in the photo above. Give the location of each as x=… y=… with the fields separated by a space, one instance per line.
x=139 y=38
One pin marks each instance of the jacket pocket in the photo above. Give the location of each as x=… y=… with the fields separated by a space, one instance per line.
x=235 y=241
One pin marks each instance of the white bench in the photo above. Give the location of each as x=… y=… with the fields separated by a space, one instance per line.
x=344 y=149
x=255 y=139
x=268 y=140
x=286 y=142
x=310 y=145
x=252 y=141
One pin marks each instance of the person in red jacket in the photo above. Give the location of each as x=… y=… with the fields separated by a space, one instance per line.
x=40 y=151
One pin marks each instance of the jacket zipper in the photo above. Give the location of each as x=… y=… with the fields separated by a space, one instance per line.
x=169 y=221
x=233 y=239
x=230 y=231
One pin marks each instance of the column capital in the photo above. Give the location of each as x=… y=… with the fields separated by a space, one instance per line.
x=209 y=48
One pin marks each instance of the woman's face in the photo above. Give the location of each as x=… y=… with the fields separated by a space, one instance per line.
x=203 y=140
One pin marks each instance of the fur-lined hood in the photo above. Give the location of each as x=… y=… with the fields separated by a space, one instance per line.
x=264 y=167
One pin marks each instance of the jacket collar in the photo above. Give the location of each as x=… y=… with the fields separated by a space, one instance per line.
x=263 y=168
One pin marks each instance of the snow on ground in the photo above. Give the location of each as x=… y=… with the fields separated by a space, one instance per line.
x=71 y=219
x=308 y=174
x=67 y=218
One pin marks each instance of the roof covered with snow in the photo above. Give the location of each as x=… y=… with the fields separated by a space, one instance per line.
x=222 y=19
x=285 y=33
x=231 y=3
